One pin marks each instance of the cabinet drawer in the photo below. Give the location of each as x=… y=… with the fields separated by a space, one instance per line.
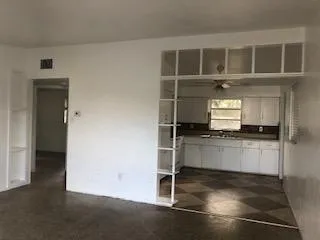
x=251 y=144
x=269 y=145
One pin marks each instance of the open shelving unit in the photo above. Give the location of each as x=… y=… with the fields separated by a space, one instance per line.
x=284 y=60
x=275 y=61
x=167 y=147
x=18 y=139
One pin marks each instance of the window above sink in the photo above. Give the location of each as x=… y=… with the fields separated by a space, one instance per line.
x=225 y=114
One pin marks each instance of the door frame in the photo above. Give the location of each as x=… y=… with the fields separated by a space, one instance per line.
x=47 y=83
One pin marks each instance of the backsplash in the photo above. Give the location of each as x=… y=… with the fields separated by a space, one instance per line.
x=270 y=132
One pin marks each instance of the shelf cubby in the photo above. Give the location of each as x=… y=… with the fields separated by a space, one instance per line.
x=293 y=57
x=168 y=66
x=189 y=62
x=268 y=59
x=211 y=59
x=17 y=167
x=18 y=124
x=240 y=60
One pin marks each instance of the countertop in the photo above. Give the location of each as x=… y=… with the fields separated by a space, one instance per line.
x=233 y=138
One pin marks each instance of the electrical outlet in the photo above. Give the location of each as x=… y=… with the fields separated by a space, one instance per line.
x=261 y=129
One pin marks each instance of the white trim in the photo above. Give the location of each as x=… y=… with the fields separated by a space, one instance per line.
x=233 y=76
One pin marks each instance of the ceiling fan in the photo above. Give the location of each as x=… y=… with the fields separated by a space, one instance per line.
x=222 y=84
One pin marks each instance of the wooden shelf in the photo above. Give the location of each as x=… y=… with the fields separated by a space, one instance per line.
x=17 y=183
x=17 y=110
x=167 y=172
x=18 y=149
x=165 y=201
x=166 y=149
x=169 y=125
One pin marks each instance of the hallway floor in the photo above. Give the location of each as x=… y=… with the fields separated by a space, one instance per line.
x=44 y=210
x=231 y=194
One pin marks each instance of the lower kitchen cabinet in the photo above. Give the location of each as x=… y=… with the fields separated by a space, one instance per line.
x=269 y=161
x=250 y=160
x=192 y=156
x=259 y=157
x=211 y=157
x=231 y=159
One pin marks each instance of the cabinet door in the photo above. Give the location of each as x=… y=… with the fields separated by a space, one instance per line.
x=250 y=160
x=211 y=157
x=270 y=111
x=269 y=162
x=251 y=111
x=192 y=156
x=193 y=111
x=231 y=159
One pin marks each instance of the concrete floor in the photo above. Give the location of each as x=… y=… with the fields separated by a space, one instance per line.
x=44 y=210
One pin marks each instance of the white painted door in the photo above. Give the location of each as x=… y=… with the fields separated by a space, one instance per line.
x=211 y=157
x=250 y=160
x=269 y=162
x=270 y=111
x=251 y=111
x=192 y=156
x=231 y=159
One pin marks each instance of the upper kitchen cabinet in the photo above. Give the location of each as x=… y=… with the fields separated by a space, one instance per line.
x=213 y=61
x=268 y=59
x=293 y=58
x=260 y=111
x=270 y=111
x=168 y=64
x=240 y=61
x=193 y=111
x=189 y=62
x=251 y=111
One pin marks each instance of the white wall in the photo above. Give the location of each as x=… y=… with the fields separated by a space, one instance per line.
x=112 y=147
x=51 y=130
x=302 y=161
x=10 y=59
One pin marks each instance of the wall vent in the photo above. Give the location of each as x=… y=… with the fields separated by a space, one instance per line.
x=46 y=64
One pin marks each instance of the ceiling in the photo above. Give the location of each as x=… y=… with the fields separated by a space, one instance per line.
x=60 y=22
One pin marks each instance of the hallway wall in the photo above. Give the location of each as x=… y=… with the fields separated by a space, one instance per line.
x=302 y=161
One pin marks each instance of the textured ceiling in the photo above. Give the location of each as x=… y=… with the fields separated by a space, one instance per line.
x=60 y=22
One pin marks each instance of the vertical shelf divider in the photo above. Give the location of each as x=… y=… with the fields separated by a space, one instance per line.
x=283 y=56
x=253 y=66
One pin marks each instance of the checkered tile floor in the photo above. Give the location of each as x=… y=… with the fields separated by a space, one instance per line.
x=232 y=194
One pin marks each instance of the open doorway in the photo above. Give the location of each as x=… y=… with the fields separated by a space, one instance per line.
x=50 y=125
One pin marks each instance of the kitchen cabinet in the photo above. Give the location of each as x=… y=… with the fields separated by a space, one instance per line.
x=251 y=111
x=269 y=161
x=250 y=160
x=192 y=156
x=260 y=111
x=250 y=156
x=193 y=111
x=210 y=157
x=230 y=159
x=270 y=111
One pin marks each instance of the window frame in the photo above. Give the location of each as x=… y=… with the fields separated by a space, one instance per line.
x=225 y=119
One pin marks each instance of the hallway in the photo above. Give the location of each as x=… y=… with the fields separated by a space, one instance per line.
x=44 y=210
